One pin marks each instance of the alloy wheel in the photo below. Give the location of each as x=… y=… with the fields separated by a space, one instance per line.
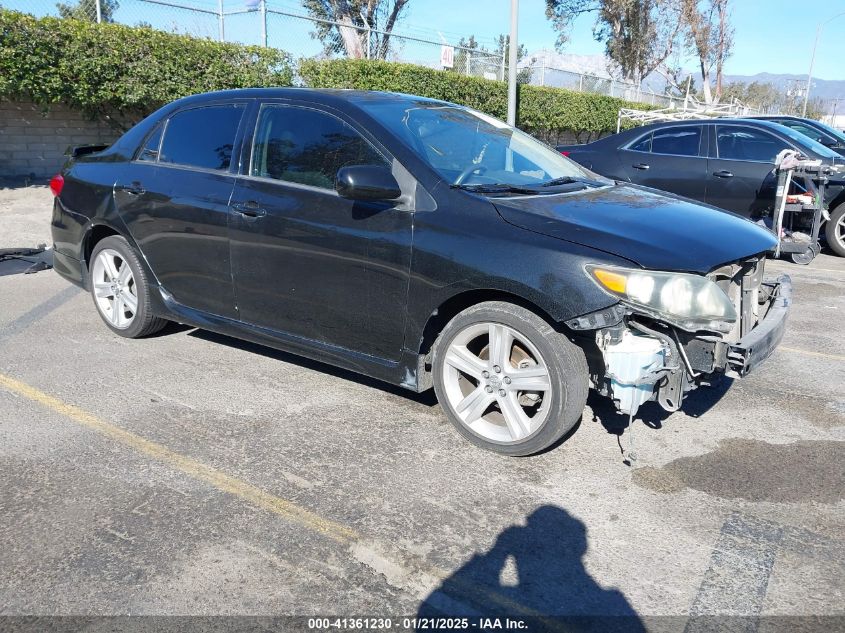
x=497 y=382
x=115 y=291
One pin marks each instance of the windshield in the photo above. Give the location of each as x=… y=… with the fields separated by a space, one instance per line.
x=471 y=148
x=809 y=143
x=837 y=134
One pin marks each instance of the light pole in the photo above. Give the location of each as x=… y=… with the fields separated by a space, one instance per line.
x=512 y=50
x=813 y=60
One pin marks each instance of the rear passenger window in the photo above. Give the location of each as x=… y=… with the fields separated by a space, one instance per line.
x=643 y=145
x=747 y=143
x=149 y=153
x=677 y=141
x=201 y=137
x=307 y=146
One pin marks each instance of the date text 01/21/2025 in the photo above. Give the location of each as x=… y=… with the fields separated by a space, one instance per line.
x=417 y=624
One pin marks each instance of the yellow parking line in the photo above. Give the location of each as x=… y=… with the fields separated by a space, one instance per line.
x=241 y=489
x=191 y=467
x=807 y=352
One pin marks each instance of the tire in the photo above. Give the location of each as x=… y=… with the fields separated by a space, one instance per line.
x=116 y=289
x=804 y=258
x=835 y=230
x=475 y=353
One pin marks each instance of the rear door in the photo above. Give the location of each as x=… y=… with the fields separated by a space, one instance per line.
x=672 y=159
x=306 y=261
x=174 y=198
x=739 y=172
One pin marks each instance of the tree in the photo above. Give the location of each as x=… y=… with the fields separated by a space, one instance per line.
x=491 y=59
x=87 y=10
x=463 y=55
x=710 y=37
x=503 y=45
x=639 y=35
x=351 y=24
x=767 y=97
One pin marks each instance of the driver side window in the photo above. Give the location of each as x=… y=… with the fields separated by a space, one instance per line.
x=307 y=146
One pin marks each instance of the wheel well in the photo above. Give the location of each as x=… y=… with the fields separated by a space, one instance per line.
x=454 y=305
x=97 y=233
x=837 y=201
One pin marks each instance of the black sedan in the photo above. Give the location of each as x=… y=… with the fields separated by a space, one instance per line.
x=816 y=130
x=724 y=162
x=421 y=243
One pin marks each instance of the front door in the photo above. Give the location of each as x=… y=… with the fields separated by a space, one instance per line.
x=306 y=261
x=739 y=171
x=174 y=199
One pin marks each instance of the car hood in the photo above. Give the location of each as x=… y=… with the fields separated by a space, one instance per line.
x=655 y=230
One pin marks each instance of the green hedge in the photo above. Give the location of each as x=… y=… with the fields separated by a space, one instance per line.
x=122 y=73
x=115 y=70
x=543 y=111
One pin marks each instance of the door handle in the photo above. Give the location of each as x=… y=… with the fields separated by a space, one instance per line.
x=723 y=174
x=249 y=209
x=135 y=188
x=640 y=166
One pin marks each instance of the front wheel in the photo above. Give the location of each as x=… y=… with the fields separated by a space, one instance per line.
x=120 y=289
x=835 y=230
x=507 y=380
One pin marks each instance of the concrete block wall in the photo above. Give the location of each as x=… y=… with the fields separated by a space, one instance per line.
x=33 y=143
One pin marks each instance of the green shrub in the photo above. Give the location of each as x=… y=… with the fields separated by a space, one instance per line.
x=545 y=112
x=118 y=71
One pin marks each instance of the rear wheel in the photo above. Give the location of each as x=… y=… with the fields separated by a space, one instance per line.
x=507 y=380
x=120 y=290
x=835 y=230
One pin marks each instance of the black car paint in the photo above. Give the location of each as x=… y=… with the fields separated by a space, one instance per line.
x=641 y=225
x=745 y=187
x=362 y=285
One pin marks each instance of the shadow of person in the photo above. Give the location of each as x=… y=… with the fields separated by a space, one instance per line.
x=534 y=573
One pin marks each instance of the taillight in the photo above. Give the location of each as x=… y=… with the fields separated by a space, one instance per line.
x=56 y=184
x=566 y=152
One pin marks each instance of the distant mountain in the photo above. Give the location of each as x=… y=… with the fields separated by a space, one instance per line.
x=597 y=66
x=825 y=89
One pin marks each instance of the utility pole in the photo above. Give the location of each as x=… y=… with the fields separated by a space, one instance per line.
x=263 y=9
x=512 y=50
x=813 y=60
x=221 y=28
x=99 y=11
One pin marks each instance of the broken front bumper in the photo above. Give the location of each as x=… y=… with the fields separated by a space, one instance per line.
x=756 y=346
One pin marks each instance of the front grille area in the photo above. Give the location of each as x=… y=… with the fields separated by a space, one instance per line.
x=741 y=281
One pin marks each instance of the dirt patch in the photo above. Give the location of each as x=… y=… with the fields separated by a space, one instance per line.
x=756 y=471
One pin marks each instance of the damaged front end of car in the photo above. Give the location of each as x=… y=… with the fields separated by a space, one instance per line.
x=672 y=332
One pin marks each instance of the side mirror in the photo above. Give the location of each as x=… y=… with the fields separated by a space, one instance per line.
x=366 y=182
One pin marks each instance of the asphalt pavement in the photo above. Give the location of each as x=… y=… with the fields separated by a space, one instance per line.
x=194 y=474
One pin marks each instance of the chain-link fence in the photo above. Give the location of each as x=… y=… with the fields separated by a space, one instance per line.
x=543 y=75
x=284 y=24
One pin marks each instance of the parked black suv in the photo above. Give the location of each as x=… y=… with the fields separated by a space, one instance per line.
x=421 y=243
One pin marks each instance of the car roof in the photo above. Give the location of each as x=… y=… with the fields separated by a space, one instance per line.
x=767 y=117
x=328 y=96
x=719 y=120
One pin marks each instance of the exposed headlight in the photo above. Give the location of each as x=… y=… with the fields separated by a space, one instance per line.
x=690 y=302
